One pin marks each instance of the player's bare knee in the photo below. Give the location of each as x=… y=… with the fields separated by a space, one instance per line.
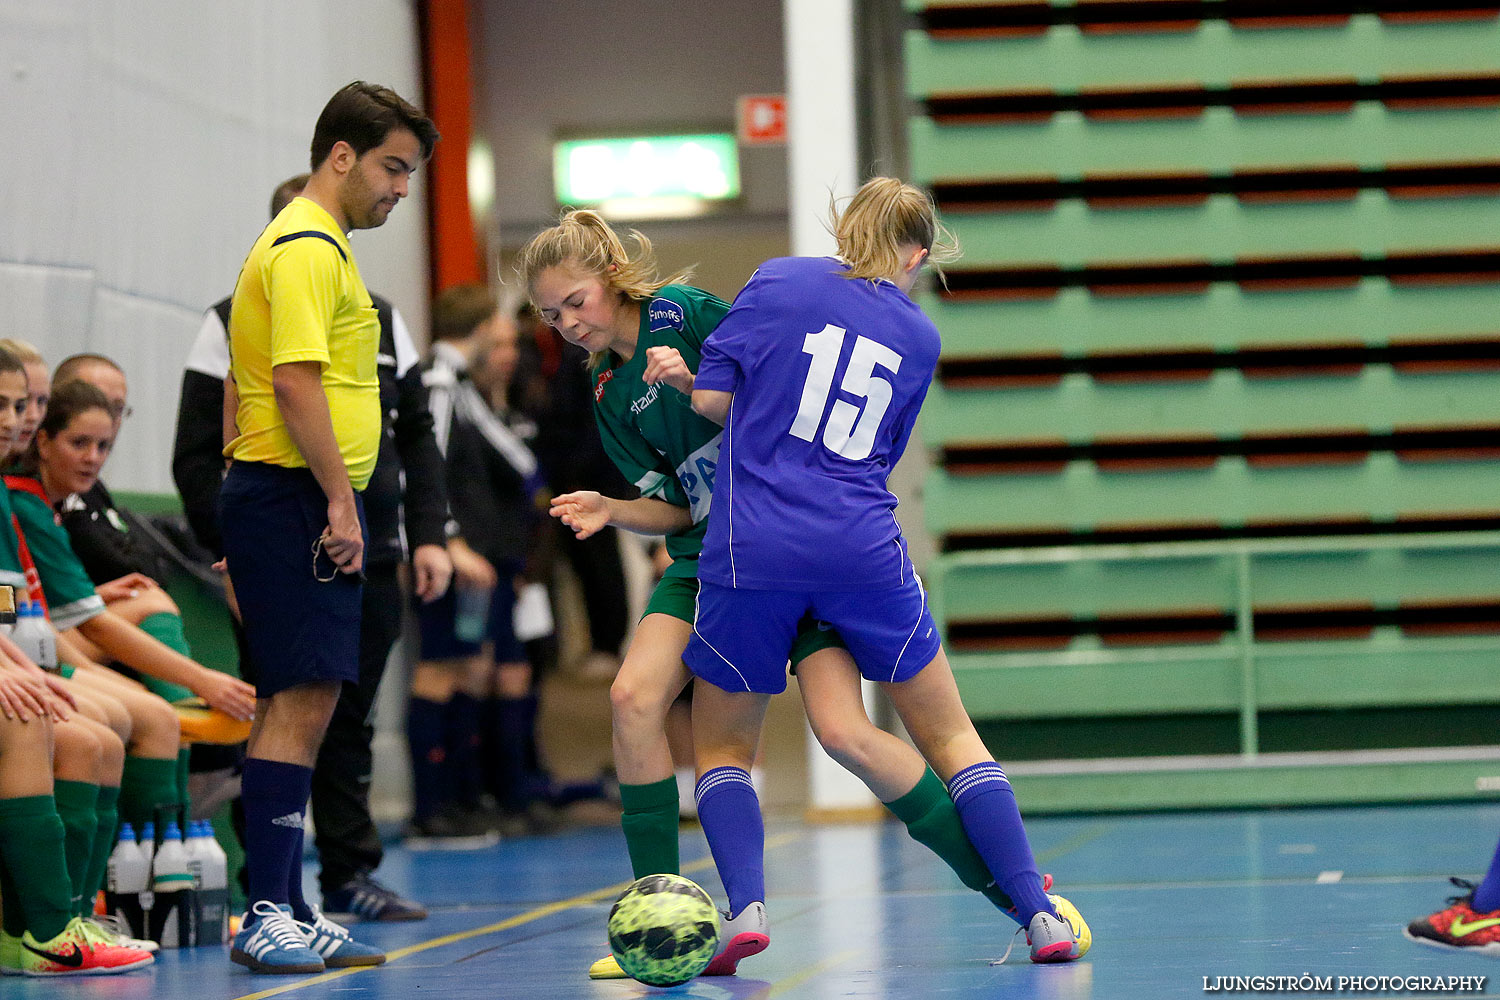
x=162 y=603
x=111 y=758
x=92 y=708
x=635 y=705
x=434 y=680
x=157 y=731
x=119 y=719
x=77 y=754
x=846 y=743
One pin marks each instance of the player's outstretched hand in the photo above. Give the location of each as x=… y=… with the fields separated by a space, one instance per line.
x=585 y=511
x=665 y=364
x=128 y=586
x=21 y=698
x=229 y=695
x=60 y=702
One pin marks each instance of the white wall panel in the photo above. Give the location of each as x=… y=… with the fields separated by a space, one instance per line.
x=144 y=138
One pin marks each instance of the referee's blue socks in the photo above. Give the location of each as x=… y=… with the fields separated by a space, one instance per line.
x=987 y=806
x=275 y=796
x=730 y=813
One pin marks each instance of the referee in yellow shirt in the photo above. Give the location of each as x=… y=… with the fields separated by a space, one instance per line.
x=302 y=422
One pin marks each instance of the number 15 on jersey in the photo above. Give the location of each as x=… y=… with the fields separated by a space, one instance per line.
x=849 y=431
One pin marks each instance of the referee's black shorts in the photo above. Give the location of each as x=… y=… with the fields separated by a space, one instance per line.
x=301 y=615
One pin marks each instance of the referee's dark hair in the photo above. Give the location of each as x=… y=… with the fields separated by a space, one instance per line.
x=363 y=114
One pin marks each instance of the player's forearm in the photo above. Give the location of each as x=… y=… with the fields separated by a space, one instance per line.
x=304 y=410
x=71 y=651
x=713 y=404
x=646 y=516
x=126 y=643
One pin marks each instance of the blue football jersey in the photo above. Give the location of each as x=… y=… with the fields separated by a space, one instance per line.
x=828 y=373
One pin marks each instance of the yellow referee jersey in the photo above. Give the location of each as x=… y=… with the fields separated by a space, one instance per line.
x=300 y=298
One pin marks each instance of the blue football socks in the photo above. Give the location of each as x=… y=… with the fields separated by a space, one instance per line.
x=729 y=811
x=987 y=807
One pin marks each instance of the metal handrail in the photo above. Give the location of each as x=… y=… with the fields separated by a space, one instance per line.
x=1242 y=549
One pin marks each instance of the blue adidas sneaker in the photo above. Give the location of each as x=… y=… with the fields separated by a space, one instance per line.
x=270 y=941
x=334 y=945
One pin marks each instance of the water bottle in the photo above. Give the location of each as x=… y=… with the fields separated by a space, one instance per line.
x=148 y=842
x=30 y=633
x=175 y=904
x=213 y=893
x=192 y=849
x=126 y=881
x=48 y=639
x=472 y=618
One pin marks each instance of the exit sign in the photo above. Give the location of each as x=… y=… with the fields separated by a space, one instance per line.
x=762 y=119
x=703 y=167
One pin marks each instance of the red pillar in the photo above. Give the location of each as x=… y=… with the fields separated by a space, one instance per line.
x=447 y=79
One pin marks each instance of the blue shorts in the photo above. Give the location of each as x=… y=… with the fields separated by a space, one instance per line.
x=300 y=629
x=439 y=620
x=741 y=638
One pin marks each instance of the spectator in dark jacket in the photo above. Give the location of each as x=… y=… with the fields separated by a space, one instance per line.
x=473 y=687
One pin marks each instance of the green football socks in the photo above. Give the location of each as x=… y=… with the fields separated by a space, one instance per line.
x=149 y=782
x=31 y=849
x=106 y=821
x=932 y=821
x=649 y=819
x=76 y=802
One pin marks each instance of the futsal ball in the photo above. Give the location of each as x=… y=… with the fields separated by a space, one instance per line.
x=1069 y=912
x=663 y=930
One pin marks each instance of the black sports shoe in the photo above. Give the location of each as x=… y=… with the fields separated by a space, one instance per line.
x=363 y=898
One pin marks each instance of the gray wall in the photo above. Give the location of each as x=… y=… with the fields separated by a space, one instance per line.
x=544 y=70
x=144 y=139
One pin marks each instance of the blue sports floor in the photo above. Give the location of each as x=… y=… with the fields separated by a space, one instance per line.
x=861 y=911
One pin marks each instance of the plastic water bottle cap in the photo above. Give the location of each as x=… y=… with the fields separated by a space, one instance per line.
x=173 y=833
x=127 y=832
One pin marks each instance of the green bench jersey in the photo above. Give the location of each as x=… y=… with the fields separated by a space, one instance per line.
x=651 y=432
x=71 y=598
x=11 y=572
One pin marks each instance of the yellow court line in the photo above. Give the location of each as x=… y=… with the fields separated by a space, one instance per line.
x=1076 y=841
x=583 y=899
x=782 y=985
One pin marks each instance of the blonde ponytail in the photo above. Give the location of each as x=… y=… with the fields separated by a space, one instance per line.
x=584 y=241
x=883 y=216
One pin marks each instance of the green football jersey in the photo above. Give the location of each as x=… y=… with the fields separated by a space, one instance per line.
x=11 y=573
x=651 y=432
